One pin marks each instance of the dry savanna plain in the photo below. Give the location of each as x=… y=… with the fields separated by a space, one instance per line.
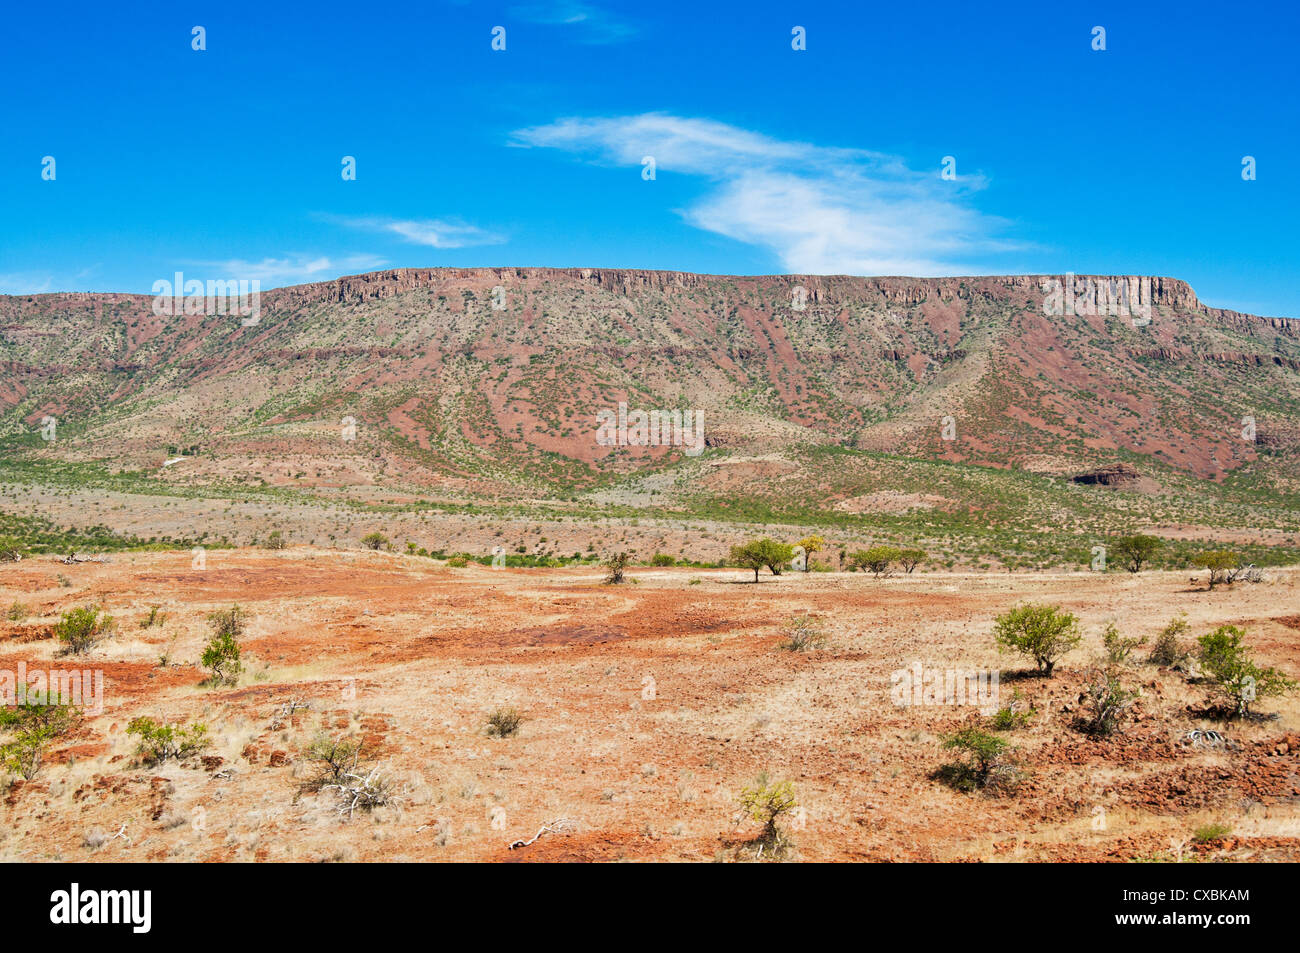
x=361 y=560
x=646 y=710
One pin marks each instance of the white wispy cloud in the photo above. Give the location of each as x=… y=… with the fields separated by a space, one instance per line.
x=435 y=233
x=293 y=269
x=593 y=25
x=818 y=209
x=24 y=283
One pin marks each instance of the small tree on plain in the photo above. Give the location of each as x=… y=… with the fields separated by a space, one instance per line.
x=1233 y=675
x=1136 y=550
x=1220 y=563
x=878 y=560
x=1044 y=633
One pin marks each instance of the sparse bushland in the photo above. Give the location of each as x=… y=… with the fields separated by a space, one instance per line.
x=1168 y=649
x=616 y=567
x=1136 y=550
x=221 y=656
x=159 y=742
x=374 y=540
x=1043 y=633
x=768 y=802
x=877 y=560
x=985 y=763
x=1220 y=562
x=504 y=722
x=1232 y=675
x=803 y=633
x=80 y=629
x=760 y=553
x=31 y=725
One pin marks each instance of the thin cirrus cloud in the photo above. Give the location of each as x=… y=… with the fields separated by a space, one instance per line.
x=434 y=233
x=590 y=24
x=817 y=209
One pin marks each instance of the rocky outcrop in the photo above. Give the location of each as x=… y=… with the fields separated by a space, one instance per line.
x=1116 y=474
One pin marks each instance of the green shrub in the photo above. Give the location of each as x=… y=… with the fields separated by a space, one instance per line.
x=984 y=763
x=1208 y=833
x=276 y=540
x=221 y=656
x=1233 y=675
x=1043 y=633
x=374 y=540
x=80 y=629
x=158 y=742
x=155 y=617
x=457 y=562
x=32 y=726
x=17 y=612
x=662 y=559
x=1105 y=704
x=616 y=566
x=767 y=803
x=1168 y=649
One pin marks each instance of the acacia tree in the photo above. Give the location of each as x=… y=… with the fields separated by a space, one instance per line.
x=811 y=544
x=1136 y=550
x=1220 y=563
x=762 y=552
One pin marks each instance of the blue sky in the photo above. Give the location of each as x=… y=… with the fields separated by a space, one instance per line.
x=226 y=162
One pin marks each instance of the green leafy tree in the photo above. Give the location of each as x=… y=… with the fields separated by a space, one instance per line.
x=760 y=553
x=1043 y=633
x=1136 y=550
x=877 y=560
x=910 y=558
x=374 y=540
x=811 y=544
x=1220 y=563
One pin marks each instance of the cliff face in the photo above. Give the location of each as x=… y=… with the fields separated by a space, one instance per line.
x=446 y=368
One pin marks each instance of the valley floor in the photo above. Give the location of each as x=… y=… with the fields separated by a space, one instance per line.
x=647 y=709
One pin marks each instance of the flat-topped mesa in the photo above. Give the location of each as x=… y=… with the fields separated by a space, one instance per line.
x=1172 y=293
x=1164 y=292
